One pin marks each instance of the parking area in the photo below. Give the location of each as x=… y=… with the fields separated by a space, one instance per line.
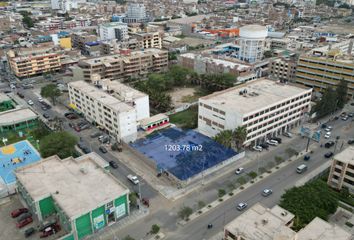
x=8 y=229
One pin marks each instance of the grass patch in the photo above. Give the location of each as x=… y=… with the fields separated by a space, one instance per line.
x=187 y=119
x=349 y=224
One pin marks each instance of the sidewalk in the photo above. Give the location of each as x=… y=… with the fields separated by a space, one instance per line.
x=111 y=232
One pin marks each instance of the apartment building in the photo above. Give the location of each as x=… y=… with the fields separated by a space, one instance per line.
x=283 y=69
x=259 y=222
x=33 y=61
x=265 y=107
x=148 y=40
x=136 y=13
x=319 y=72
x=113 y=30
x=79 y=40
x=342 y=170
x=118 y=118
x=124 y=65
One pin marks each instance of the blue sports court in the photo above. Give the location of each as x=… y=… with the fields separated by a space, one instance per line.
x=14 y=156
x=183 y=153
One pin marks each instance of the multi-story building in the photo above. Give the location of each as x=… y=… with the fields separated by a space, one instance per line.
x=136 y=13
x=148 y=40
x=319 y=72
x=79 y=193
x=64 y=5
x=117 y=117
x=342 y=170
x=79 y=40
x=260 y=222
x=252 y=42
x=113 y=30
x=120 y=66
x=265 y=107
x=33 y=61
x=283 y=69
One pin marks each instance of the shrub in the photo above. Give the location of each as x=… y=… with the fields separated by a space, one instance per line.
x=221 y=192
x=278 y=160
x=220 y=199
x=185 y=212
x=155 y=229
x=231 y=193
x=252 y=175
x=349 y=224
x=201 y=204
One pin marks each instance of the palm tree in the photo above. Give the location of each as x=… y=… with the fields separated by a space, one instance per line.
x=225 y=138
x=239 y=136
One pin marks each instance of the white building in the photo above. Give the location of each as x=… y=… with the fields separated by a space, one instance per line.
x=117 y=117
x=252 y=42
x=64 y=5
x=267 y=108
x=136 y=12
x=114 y=30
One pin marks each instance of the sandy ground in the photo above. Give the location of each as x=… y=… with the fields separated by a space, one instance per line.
x=179 y=93
x=338 y=28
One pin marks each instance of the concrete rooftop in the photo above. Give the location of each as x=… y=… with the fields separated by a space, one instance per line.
x=346 y=156
x=267 y=93
x=16 y=115
x=77 y=185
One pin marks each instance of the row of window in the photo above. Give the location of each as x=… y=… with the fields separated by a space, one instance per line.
x=210 y=122
x=211 y=108
x=325 y=64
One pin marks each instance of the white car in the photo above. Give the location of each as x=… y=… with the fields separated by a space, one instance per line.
x=30 y=102
x=239 y=170
x=327 y=135
x=133 y=179
x=328 y=129
x=272 y=142
x=40 y=99
x=258 y=148
x=241 y=206
x=12 y=86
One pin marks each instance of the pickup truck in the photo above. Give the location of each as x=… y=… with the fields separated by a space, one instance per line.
x=133 y=179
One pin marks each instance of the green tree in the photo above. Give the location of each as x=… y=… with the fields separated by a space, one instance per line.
x=342 y=93
x=221 y=193
x=240 y=135
x=241 y=180
x=311 y=200
x=201 y=204
x=50 y=91
x=252 y=175
x=58 y=143
x=327 y=104
x=155 y=229
x=268 y=54
x=178 y=74
x=41 y=131
x=26 y=19
x=128 y=237
x=225 y=138
x=133 y=198
x=185 y=212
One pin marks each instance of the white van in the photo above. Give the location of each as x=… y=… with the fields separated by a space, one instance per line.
x=302 y=168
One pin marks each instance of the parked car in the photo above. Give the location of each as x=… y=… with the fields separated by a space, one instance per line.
x=95 y=134
x=264 y=145
x=29 y=231
x=327 y=135
x=241 y=206
x=329 y=144
x=104 y=139
x=71 y=116
x=307 y=157
x=44 y=108
x=24 y=222
x=30 y=102
x=345 y=118
x=24 y=216
x=266 y=192
x=351 y=141
x=288 y=134
x=46 y=115
x=350 y=114
x=77 y=128
x=279 y=140
x=20 y=95
x=86 y=150
x=50 y=230
x=239 y=170
x=328 y=155
x=258 y=148
x=40 y=99
x=84 y=126
x=113 y=164
x=18 y=212
x=102 y=149
x=272 y=142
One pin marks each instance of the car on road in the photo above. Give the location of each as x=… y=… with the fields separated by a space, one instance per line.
x=351 y=141
x=329 y=154
x=27 y=86
x=30 y=102
x=239 y=170
x=266 y=192
x=113 y=164
x=46 y=115
x=329 y=144
x=307 y=157
x=95 y=134
x=133 y=179
x=103 y=139
x=13 y=86
x=24 y=222
x=258 y=148
x=345 y=118
x=103 y=149
x=241 y=206
x=18 y=212
x=40 y=99
x=350 y=114
x=302 y=168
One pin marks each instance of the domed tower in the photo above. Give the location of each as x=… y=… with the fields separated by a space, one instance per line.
x=251 y=41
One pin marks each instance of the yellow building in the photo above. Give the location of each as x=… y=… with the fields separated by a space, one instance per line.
x=320 y=72
x=30 y=62
x=65 y=42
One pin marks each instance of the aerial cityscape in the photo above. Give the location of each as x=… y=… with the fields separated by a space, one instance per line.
x=177 y=119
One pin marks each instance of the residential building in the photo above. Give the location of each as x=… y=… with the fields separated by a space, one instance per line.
x=113 y=30
x=265 y=107
x=320 y=72
x=79 y=40
x=342 y=170
x=259 y=222
x=148 y=40
x=136 y=13
x=64 y=5
x=117 y=117
x=125 y=65
x=68 y=190
x=252 y=42
x=283 y=69
x=33 y=61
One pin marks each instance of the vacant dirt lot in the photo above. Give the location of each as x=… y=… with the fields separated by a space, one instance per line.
x=178 y=94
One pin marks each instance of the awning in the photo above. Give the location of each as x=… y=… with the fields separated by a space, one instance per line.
x=73 y=106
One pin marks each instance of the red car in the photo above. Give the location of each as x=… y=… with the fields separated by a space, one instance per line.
x=18 y=212
x=24 y=222
x=77 y=128
x=50 y=230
